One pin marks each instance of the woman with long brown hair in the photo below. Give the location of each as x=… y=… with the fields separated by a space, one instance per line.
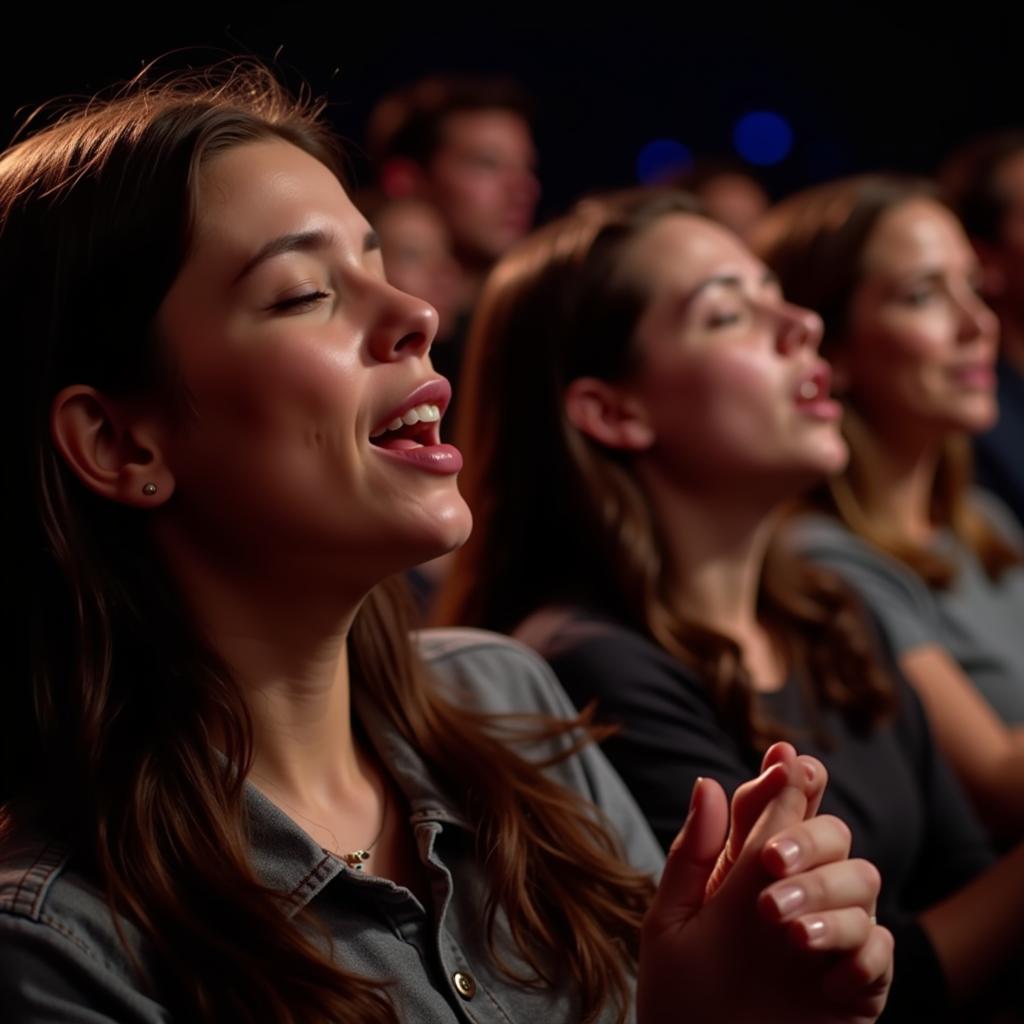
x=641 y=406
x=230 y=790
x=940 y=564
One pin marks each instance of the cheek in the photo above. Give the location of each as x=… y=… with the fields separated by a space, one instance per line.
x=728 y=398
x=280 y=385
x=899 y=352
x=471 y=195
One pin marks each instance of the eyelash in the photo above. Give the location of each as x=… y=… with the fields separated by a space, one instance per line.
x=719 y=320
x=296 y=301
x=920 y=296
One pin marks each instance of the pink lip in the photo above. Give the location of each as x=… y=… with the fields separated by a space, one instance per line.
x=976 y=375
x=434 y=392
x=442 y=459
x=820 y=406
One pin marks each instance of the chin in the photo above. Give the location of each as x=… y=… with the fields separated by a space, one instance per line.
x=973 y=418
x=827 y=457
x=981 y=420
x=448 y=530
x=834 y=460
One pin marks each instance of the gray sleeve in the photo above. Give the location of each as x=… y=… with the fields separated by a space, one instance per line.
x=899 y=601
x=498 y=675
x=47 y=977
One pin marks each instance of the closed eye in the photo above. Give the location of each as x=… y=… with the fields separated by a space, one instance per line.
x=298 y=303
x=724 y=318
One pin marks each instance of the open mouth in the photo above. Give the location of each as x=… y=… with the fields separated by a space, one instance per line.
x=415 y=428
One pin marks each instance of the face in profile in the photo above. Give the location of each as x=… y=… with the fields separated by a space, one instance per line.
x=311 y=436
x=919 y=346
x=730 y=386
x=417 y=252
x=482 y=179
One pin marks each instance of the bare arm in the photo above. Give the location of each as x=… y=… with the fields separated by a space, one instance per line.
x=977 y=929
x=986 y=754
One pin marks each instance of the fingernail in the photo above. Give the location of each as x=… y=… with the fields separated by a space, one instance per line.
x=787 y=850
x=787 y=899
x=814 y=930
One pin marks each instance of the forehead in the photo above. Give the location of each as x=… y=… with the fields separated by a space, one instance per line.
x=683 y=249
x=260 y=190
x=493 y=127
x=918 y=231
x=410 y=218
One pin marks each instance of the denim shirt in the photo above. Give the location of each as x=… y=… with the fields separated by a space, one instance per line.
x=61 y=959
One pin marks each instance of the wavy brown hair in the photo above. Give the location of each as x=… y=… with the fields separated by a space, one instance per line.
x=561 y=519
x=114 y=697
x=815 y=242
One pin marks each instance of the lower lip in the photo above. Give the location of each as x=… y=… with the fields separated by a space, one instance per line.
x=442 y=459
x=980 y=378
x=821 y=409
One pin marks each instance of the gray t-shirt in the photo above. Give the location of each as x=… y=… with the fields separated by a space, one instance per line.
x=61 y=959
x=979 y=621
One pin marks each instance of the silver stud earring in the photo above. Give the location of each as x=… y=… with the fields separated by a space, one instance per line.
x=149 y=490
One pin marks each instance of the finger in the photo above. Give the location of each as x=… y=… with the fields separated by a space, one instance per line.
x=748 y=804
x=847 y=883
x=692 y=857
x=817 y=774
x=834 y=931
x=817 y=841
x=782 y=811
x=778 y=753
x=861 y=979
x=817 y=780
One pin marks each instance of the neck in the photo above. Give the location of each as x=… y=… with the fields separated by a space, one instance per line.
x=286 y=645
x=898 y=489
x=716 y=545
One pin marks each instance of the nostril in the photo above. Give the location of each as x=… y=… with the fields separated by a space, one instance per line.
x=412 y=340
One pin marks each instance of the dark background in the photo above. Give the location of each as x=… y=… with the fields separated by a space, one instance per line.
x=863 y=86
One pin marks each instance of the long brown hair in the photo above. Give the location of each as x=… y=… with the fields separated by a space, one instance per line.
x=815 y=242
x=561 y=519
x=113 y=697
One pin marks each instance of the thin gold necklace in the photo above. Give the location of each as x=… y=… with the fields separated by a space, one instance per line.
x=355 y=858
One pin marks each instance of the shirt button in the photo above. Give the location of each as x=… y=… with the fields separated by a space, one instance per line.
x=464 y=984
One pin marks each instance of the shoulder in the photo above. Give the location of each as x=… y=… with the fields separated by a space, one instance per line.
x=999 y=516
x=492 y=673
x=586 y=641
x=826 y=541
x=497 y=675
x=59 y=944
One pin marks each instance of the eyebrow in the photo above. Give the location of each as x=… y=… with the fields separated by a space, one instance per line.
x=732 y=281
x=300 y=241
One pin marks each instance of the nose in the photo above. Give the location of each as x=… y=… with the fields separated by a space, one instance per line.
x=797 y=328
x=402 y=326
x=976 y=319
x=523 y=184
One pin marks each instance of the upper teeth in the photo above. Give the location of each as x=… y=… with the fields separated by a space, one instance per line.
x=417 y=414
x=809 y=389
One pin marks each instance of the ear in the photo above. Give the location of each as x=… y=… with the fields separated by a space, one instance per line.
x=401 y=178
x=608 y=414
x=112 y=448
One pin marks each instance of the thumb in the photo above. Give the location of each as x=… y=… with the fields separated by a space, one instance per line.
x=692 y=856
